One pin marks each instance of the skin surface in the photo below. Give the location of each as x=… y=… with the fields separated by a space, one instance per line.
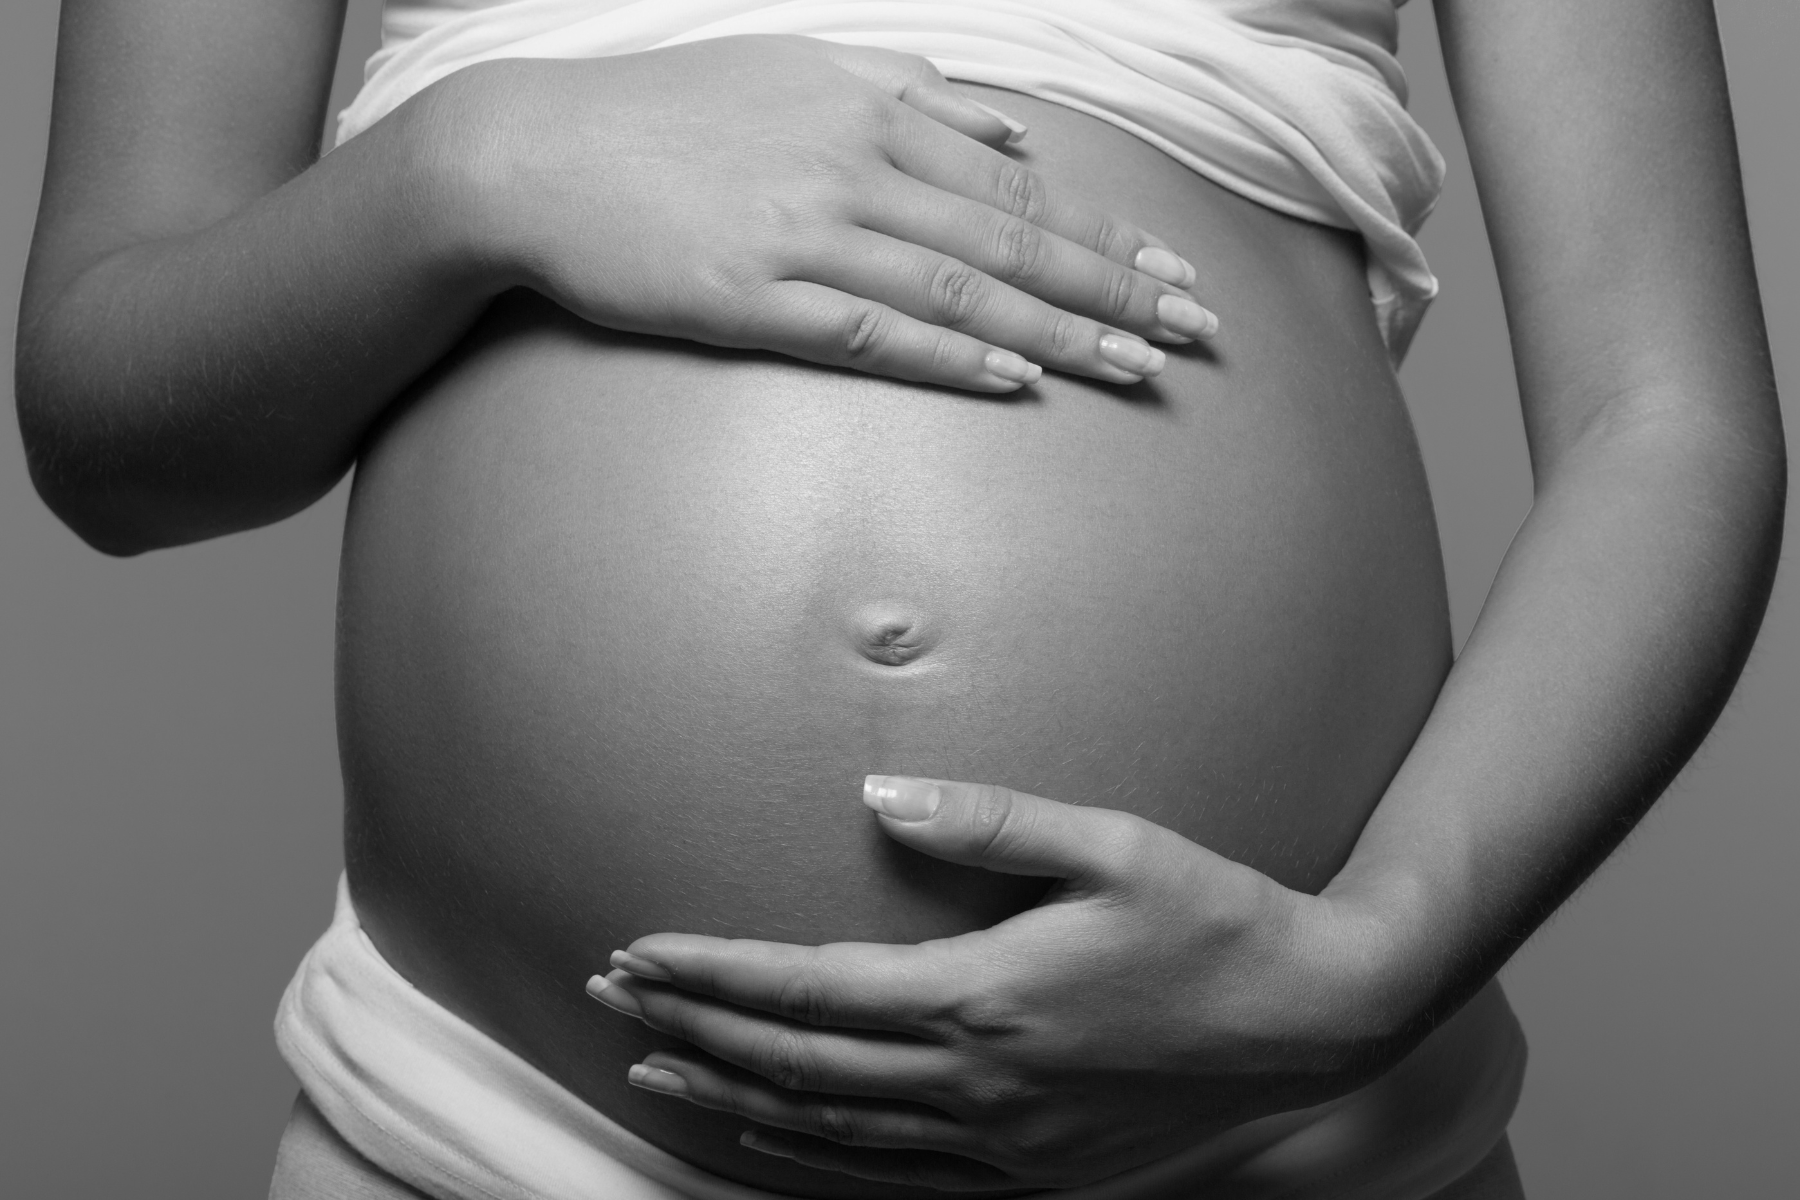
x=865 y=224
x=191 y=361
x=1611 y=638
x=620 y=623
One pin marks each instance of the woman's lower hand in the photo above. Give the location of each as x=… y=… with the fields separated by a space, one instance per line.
x=838 y=204
x=1159 y=993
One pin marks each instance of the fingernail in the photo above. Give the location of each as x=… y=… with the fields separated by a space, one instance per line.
x=655 y=1079
x=1015 y=130
x=1182 y=316
x=1011 y=367
x=1165 y=265
x=764 y=1143
x=1130 y=354
x=643 y=968
x=614 y=997
x=901 y=798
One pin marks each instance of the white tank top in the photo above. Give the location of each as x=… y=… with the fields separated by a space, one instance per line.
x=1296 y=104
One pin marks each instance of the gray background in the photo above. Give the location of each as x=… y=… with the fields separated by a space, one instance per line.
x=171 y=797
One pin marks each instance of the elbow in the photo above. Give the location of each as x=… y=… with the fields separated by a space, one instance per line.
x=127 y=475
x=80 y=482
x=121 y=521
x=111 y=541
x=66 y=481
x=99 y=519
x=123 y=513
x=123 y=507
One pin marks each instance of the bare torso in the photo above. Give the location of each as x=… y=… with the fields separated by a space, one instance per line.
x=625 y=621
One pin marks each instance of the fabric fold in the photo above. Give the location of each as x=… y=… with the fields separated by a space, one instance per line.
x=1298 y=105
x=435 y=1102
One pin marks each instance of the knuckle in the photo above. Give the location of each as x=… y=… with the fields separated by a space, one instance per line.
x=737 y=286
x=1121 y=295
x=1019 y=191
x=1120 y=844
x=829 y=179
x=725 y=291
x=1019 y=250
x=954 y=293
x=919 y=69
x=990 y=809
x=782 y=217
x=803 y=996
x=865 y=108
x=1033 y=1145
x=1043 y=1145
x=781 y=1059
x=945 y=357
x=941 y=1002
x=985 y=1017
x=860 y=333
x=677 y=1019
x=881 y=114
x=1113 y=240
x=1065 y=335
x=993 y=1094
x=835 y=1123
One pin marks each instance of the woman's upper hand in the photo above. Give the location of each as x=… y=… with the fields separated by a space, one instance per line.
x=838 y=204
x=1157 y=994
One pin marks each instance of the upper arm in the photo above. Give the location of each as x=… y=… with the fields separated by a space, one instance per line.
x=171 y=114
x=1601 y=136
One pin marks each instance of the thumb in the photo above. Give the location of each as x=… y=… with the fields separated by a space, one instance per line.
x=914 y=82
x=996 y=828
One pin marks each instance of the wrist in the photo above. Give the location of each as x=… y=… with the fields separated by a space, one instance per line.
x=1391 y=935
x=456 y=177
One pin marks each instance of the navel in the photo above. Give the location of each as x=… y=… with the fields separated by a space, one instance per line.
x=891 y=634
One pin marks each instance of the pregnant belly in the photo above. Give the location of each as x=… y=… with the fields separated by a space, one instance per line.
x=625 y=621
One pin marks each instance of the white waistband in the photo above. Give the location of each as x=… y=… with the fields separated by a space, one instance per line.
x=435 y=1102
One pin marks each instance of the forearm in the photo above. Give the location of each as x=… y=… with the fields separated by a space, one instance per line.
x=191 y=385
x=1612 y=637
x=215 y=365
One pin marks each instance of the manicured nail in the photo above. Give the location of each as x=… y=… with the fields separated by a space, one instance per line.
x=1182 y=316
x=901 y=798
x=655 y=1079
x=643 y=968
x=764 y=1143
x=1131 y=354
x=1011 y=367
x=614 y=997
x=1015 y=130
x=1165 y=265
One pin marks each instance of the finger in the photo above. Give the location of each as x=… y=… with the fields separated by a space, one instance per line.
x=799 y=1058
x=823 y=325
x=914 y=82
x=920 y=1168
x=843 y=985
x=1034 y=260
x=943 y=291
x=998 y=829
x=926 y=152
x=842 y=1120
x=1015 y=128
